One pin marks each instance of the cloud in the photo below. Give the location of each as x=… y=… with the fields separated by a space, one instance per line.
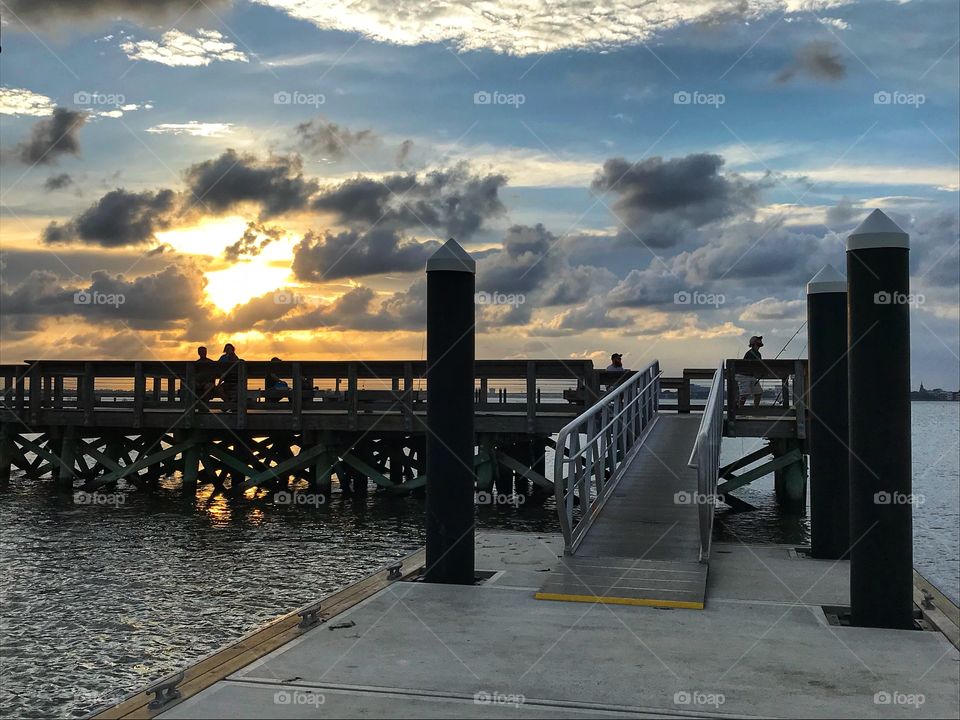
x=455 y=201
x=770 y=308
x=818 y=60
x=353 y=253
x=660 y=200
x=358 y=310
x=154 y=301
x=179 y=49
x=119 y=218
x=329 y=140
x=52 y=137
x=194 y=128
x=45 y=13
x=255 y=238
x=521 y=27
x=403 y=153
x=276 y=183
x=57 y=182
x=19 y=101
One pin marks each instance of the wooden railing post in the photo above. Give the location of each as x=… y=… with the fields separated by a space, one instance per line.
x=297 y=396
x=36 y=393
x=407 y=406
x=89 y=381
x=139 y=393
x=241 y=394
x=531 y=395
x=353 y=395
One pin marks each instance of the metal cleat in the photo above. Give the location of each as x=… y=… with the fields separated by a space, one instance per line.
x=394 y=571
x=310 y=616
x=165 y=691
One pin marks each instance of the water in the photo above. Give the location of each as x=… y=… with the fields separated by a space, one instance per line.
x=98 y=601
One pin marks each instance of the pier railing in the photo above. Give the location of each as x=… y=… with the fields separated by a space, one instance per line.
x=705 y=457
x=171 y=393
x=593 y=450
x=782 y=411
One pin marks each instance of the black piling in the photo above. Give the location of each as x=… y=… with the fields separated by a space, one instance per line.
x=450 y=440
x=881 y=523
x=829 y=428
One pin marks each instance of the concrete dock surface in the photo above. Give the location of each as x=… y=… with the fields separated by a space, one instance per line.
x=761 y=647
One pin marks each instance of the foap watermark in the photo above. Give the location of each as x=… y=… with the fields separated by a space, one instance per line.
x=698 y=697
x=695 y=297
x=284 y=297
x=482 y=97
x=684 y=497
x=483 y=697
x=884 y=697
x=896 y=97
x=483 y=497
x=295 y=97
x=499 y=298
x=897 y=498
x=898 y=298
x=86 y=297
x=298 y=697
x=695 y=97
x=83 y=97
x=94 y=498
x=284 y=497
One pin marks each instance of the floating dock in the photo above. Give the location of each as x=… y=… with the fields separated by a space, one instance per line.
x=764 y=645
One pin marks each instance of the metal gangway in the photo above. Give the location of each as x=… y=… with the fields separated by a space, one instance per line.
x=635 y=490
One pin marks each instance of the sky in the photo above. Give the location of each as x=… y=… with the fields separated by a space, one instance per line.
x=658 y=179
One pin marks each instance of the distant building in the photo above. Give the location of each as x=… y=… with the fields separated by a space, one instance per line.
x=937 y=394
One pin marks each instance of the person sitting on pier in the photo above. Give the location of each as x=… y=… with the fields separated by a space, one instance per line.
x=205 y=372
x=750 y=385
x=274 y=381
x=229 y=375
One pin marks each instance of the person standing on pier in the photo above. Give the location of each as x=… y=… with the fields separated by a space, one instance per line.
x=616 y=363
x=750 y=385
x=229 y=375
x=205 y=371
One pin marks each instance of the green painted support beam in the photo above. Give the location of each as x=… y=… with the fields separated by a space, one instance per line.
x=727 y=470
x=140 y=464
x=738 y=481
x=298 y=462
x=523 y=470
x=371 y=472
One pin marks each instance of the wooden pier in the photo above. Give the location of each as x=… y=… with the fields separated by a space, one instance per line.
x=95 y=424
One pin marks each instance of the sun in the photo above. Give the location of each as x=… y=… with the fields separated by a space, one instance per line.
x=246 y=278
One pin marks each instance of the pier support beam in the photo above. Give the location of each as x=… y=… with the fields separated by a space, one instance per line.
x=450 y=441
x=6 y=454
x=881 y=522
x=829 y=428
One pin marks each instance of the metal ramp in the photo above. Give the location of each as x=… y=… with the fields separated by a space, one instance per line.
x=635 y=493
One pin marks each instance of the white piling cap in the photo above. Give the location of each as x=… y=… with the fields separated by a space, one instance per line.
x=877 y=231
x=451 y=257
x=828 y=280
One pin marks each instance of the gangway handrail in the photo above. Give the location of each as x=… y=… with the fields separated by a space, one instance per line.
x=705 y=457
x=615 y=427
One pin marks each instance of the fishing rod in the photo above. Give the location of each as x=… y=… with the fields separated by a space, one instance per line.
x=780 y=393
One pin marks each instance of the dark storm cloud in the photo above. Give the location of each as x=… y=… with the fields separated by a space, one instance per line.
x=276 y=183
x=843 y=213
x=255 y=238
x=818 y=60
x=119 y=218
x=358 y=310
x=155 y=301
x=452 y=201
x=52 y=137
x=661 y=200
x=58 y=182
x=48 y=12
x=353 y=253
x=329 y=140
